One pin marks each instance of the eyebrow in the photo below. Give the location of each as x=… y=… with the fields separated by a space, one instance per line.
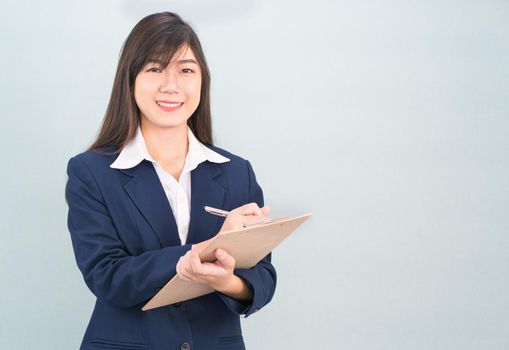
x=188 y=60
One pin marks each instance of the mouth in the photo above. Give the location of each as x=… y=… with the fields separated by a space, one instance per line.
x=169 y=106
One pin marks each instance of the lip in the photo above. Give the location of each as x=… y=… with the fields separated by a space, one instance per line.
x=169 y=109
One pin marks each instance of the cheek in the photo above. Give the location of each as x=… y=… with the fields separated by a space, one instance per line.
x=143 y=90
x=194 y=90
x=138 y=92
x=137 y=96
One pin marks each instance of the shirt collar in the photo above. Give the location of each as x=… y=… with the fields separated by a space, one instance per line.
x=135 y=151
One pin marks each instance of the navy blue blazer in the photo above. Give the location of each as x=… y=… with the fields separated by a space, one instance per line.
x=126 y=245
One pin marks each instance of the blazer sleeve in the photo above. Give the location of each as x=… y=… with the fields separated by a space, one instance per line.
x=109 y=271
x=261 y=278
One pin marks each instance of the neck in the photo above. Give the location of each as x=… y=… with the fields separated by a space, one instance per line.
x=166 y=145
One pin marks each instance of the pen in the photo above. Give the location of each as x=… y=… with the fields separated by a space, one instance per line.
x=215 y=211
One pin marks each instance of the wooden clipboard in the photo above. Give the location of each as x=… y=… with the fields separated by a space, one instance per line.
x=248 y=246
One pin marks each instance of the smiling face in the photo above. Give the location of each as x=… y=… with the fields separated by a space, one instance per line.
x=168 y=96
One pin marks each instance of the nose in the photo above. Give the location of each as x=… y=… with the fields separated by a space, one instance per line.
x=169 y=84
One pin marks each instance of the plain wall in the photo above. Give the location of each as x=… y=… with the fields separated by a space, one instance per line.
x=388 y=120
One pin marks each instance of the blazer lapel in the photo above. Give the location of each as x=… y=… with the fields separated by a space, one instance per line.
x=208 y=185
x=147 y=193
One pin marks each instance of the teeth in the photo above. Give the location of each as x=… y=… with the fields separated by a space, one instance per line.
x=171 y=105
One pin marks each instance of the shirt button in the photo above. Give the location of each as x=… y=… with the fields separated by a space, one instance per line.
x=185 y=346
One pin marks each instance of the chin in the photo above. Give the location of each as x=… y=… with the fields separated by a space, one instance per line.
x=165 y=124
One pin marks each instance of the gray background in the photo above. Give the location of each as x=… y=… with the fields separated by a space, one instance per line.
x=386 y=119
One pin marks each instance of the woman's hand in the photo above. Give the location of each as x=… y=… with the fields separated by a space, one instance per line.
x=219 y=274
x=248 y=214
x=214 y=274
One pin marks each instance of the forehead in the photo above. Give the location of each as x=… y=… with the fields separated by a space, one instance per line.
x=183 y=53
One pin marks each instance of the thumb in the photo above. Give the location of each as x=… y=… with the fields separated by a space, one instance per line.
x=266 y=210
x=226 y=260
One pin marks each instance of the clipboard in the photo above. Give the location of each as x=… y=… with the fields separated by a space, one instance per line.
x=247 y=246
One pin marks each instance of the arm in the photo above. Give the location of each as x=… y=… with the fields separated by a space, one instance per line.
x=244 y=291
x=260 y=279
x=108 y=270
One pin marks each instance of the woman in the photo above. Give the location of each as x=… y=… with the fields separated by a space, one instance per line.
x=136 y=199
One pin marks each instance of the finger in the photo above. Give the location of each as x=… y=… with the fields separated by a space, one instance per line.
x=182 y=271
x=195 y=263
x=250 y=209
x=211 y=270
x=183 y=263
x=179 y=267
x=226 y=260
x=253 y=220
x=266 y=210
x=186 y=277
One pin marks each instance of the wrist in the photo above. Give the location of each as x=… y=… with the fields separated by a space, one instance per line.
x=236 y=288
x=230 y=285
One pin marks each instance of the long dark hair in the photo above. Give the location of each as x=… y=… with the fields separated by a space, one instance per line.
x=160 y=36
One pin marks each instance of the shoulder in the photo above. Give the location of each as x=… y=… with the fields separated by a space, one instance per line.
x=241 y=178
x=238 y=166
x=236 y=162
x=96 y=161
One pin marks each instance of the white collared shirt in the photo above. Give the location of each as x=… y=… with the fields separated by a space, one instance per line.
x=177 y=192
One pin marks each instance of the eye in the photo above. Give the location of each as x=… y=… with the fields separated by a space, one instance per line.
x=187 y=70
x=154 y=69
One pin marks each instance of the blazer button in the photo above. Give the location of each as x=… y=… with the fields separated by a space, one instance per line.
x=185 y=346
